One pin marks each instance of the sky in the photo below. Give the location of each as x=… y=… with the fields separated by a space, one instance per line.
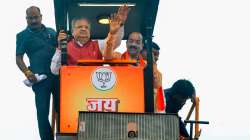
x=206 y=42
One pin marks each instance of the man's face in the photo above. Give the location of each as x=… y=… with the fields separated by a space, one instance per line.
x=155 y=54
x=81 y=30
x=134 y=44
x=144 y=54
x=34 y=18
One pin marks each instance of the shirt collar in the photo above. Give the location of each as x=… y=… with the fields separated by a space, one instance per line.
x=80 y=44
x=30 y=30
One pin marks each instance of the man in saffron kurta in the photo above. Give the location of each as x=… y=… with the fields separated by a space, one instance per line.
x=159 y=105
x=134 y=46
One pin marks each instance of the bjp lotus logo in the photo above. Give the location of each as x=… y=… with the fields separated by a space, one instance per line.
x=103 y=78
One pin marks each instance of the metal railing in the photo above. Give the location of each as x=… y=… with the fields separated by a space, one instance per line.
x=196 y=122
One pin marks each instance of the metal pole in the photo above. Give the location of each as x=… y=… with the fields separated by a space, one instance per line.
x=191 y=131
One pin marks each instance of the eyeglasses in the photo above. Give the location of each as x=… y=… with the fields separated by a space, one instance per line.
x=33 y=17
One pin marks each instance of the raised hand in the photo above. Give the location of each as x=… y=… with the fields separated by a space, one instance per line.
x=123 y=13
x=114 y=23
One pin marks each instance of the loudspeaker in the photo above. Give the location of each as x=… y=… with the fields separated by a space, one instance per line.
x=127 y=126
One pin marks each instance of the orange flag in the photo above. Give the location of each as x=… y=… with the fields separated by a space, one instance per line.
x=160 y=99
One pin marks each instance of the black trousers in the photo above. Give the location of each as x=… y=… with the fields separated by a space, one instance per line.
x=43 y=92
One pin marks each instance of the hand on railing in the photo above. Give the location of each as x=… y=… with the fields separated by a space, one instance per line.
x=195 y=106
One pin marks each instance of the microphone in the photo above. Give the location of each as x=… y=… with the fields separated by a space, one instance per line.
x=63 y=44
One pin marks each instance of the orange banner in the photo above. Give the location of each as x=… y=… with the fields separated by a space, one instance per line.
x=99 y=88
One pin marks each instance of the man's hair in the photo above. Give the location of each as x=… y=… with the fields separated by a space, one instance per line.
x=183 y=87
x=136 y=33
x=33 y=7
x=73 y=22
x=155 y=46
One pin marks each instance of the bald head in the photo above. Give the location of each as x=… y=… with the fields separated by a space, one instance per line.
x=34 y=18
x=31 y=9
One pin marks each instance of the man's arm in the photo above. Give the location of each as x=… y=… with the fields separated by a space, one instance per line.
x=109 y=52
x=113 y=40
x=56 y=62
x=157 y=77
x=116 y=37
x=116 y=32
x=22 y=66
x=120 y=18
